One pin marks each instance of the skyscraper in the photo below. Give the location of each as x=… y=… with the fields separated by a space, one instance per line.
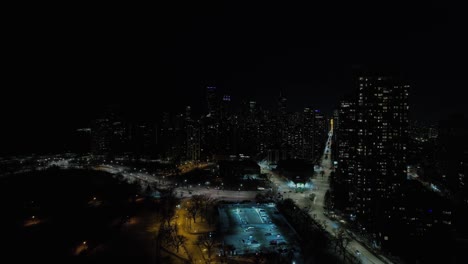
x=295 y=136
x=120 y=137
x=193 y=140
x=308 y=130
x=282 y=105
x=212 y=101
x=282 y=127
x=101 y=136
x=320 y=133
x=225 y=109
x=144 y=139
x=345 y=137
x=381 y=145
x=453 y=152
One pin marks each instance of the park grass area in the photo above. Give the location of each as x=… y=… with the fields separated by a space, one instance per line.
x=76 y=216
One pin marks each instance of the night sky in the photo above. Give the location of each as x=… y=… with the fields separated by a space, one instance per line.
x=65 y=65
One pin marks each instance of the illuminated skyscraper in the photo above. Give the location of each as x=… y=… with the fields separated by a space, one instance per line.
x=101 y=136
x=226 y=108
x=282 y=127
x=308 y=130
x=212 y=101
x=320 y=133
x=344 y=147
x=381 y=145
x=120 y=137
x=193 y=140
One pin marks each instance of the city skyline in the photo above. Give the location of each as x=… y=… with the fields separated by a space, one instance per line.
x=358 y=174
x=76 y=67
x=227 y=132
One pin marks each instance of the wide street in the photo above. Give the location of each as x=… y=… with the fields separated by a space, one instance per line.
x=226 y=195
x=320 y=185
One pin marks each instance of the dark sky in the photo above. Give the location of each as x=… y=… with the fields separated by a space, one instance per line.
x=64 y=64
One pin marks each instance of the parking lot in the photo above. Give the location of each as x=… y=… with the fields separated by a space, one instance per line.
x=252 y=228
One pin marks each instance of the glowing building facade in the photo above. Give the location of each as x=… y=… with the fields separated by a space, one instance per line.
x=381 y=145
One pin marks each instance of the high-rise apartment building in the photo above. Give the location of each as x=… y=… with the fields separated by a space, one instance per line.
x=345 y=139
x=320 y=133
x=381 y=145
x=101 y=136
x=308 y=133
x=212 y=101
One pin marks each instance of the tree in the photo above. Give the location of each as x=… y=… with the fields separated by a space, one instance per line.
x=197 y=204
x=193 y=209
x=168 y=203
x=208 y=242
x=341 y=241
x=165 y=234
x=310 y=202
x=178 y=240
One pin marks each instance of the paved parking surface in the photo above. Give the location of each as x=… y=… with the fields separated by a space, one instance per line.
x=251 y=228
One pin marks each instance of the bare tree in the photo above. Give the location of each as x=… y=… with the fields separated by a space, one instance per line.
x=197 y=204
x=341 y=240
x=208 y=242
x=168 y=204
x=193 y=209
x=178 y=241
x=309 y=203
x=166 y=233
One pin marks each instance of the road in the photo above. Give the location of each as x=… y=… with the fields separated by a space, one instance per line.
x=141 y=176
x=181 y=192
x=226 y=195
x=320 y=185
